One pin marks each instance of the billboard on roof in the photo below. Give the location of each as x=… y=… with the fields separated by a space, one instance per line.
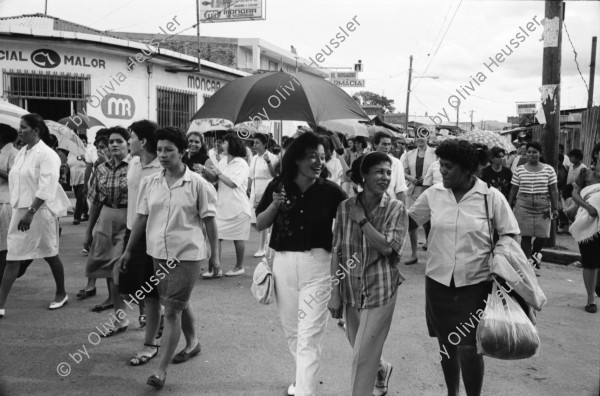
x=232 y=10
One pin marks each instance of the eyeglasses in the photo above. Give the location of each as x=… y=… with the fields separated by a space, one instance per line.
x=499 y=156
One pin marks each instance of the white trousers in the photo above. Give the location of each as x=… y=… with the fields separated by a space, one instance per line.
x=303 y=289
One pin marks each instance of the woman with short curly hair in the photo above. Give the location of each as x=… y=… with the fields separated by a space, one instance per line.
x=457 y=271
x=233 y=206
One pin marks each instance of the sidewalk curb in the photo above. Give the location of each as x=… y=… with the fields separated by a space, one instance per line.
x=563 y=257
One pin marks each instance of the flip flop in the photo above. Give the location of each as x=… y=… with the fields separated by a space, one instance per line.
x=112 y=332
x=140 y=361
x=411 y=262
x=100 y=308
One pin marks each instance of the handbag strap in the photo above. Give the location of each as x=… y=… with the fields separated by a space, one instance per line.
x=489 y=221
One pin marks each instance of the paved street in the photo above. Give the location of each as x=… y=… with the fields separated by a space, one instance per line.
x=243 y=347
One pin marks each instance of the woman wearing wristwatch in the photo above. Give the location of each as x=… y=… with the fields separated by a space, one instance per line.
x=263 y=169
x=37 y=200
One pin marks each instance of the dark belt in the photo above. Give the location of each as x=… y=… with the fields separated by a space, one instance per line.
x=115 y=206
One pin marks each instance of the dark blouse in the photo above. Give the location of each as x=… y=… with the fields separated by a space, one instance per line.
x=197 y=158
x=419 y=166
x=305 y=220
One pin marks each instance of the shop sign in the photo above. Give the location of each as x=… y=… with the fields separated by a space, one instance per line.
x=45 y=58
x=12 y=55
x=231 y=11
x=118 y=106
x=352 y=75
x=348 y=82
x=203 y=84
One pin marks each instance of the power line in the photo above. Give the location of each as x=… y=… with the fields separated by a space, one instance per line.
x=575 y=52
x=112 y=12
x=441 y=41
x=147 y=20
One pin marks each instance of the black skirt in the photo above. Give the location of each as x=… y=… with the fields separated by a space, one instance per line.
x=453 y=313
x=590 y=252
x=139 y=271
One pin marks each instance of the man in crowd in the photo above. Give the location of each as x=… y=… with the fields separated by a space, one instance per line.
x=496 y=174
x=382 y=142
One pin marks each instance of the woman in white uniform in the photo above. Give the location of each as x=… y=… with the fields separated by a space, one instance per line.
x=37 y=200
x=233 y=206
x=263 y=169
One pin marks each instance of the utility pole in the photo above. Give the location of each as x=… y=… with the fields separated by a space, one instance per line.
x=408 y=93
x=471 y=119
x=198 y=34
x=554 y=14
x=592 y=71
x=457 y=109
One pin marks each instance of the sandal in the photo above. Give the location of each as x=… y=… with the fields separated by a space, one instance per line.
x=142 y=320
x=141 y=360
x=591 y=308
x=155 y=381
x=411 y=262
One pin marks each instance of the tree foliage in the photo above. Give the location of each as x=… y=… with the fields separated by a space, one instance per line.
x=371 y=98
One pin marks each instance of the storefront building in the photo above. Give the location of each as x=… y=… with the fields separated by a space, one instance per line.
x=58 y=69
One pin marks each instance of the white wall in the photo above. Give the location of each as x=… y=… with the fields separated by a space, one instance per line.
x=108 y=68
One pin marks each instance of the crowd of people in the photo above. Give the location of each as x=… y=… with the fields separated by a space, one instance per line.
x=333 y=213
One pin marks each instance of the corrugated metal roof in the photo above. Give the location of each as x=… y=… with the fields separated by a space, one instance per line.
x=41 y=21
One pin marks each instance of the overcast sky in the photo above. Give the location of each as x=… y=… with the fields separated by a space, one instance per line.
x=448 y=39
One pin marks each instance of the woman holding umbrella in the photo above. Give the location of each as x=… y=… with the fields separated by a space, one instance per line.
x=37 y=200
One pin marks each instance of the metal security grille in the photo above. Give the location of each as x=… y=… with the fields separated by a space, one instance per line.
x=63 y=86
x=175 y=107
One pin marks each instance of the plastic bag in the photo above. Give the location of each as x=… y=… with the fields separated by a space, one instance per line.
x=505 y=331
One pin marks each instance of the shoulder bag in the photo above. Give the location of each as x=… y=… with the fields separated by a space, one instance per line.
x=263 y=284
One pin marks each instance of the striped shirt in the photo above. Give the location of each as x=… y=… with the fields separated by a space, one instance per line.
x=110 y=185
x=534 y=182
x=368 y=279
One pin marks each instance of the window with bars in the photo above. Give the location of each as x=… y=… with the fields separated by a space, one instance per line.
x=175 y=107
x=64 y=86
